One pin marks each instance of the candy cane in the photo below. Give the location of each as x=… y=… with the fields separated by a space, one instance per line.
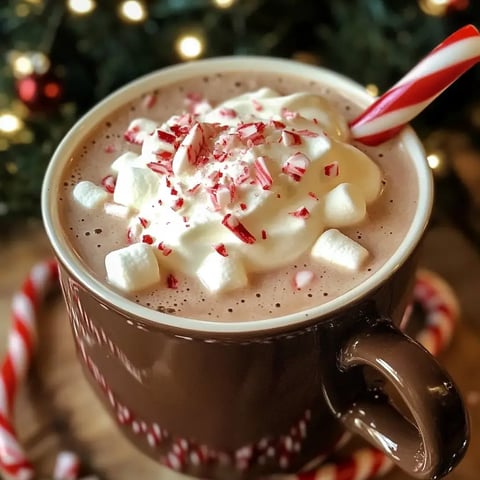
x=66 y=466
x=431 y=292
x=21 y=342
x=425 y=82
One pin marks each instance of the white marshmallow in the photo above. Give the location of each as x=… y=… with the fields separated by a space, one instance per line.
x=126 y=158
x=135 y=186
x=132 y=268
x=220 y=274
x=116 y=210
x=337 y=248
x=89 y=195
x=344 y=206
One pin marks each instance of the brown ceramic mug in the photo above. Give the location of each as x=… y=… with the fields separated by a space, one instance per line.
x=244 y=399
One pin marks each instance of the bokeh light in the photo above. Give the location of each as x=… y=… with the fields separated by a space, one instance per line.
x=81 y=7
x=133 y=11
x=190 y=46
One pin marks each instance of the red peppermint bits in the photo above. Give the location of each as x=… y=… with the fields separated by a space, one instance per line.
x=221 y=249
x=331 y=170
x=290 y=138
x=166 y=137
x=288 y=114
x=237 y=228
x=166 y=251
x=178 y=204
x=264 y=235
x=160 y=167
x=194 y=189
x=172 y=281
x=258 y=107
x=313 y=195
x=262 y=173
x=143 y=222
x=131 y=135
x=243 y=176
x=164 y=155
x=227 y=112
x=301 y=212
x=108 y=183
x=296 y=166
x=277 y=124
x=147 y=239
x=179 y=130
x=150 y=100
x=307 y=133
x=302 y=279
x=220 y=196
x=109 y=149
x=251 y=132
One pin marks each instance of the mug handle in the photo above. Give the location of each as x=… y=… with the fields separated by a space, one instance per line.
x=431 y=445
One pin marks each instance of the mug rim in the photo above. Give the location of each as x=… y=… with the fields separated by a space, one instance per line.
x=168 y=75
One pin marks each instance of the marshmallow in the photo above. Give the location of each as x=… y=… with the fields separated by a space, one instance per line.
x=135 y=186
x=89 y=195
x=132 y=268
x=337 y=248
x=220 y=274
x=344 y=206
x=126 y=158
x=116 y=210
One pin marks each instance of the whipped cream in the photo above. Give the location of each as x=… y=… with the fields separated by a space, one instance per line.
x=254 y=181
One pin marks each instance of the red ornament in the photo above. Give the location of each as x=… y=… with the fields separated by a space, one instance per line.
x=457 y=5
x=40 y=92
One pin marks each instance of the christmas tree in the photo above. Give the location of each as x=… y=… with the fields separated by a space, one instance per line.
x=59 y=57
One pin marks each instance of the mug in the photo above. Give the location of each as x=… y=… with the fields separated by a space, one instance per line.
x=247 y=399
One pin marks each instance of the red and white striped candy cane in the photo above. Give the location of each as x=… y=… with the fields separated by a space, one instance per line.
x=431 y=292
x=406 y=99
x=21 y=341
x=67 y=466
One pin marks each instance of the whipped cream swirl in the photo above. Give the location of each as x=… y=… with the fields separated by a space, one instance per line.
x=247 y=186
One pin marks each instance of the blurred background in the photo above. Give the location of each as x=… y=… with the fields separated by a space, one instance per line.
x=59 y=57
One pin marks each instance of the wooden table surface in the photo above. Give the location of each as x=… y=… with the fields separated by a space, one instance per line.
x=56 y=409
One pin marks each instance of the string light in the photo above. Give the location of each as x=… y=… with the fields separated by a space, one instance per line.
x=434 y=160
x=27 y=63
x=435 y=8
x=190 y=46
x=372 y=89
x=223 y=3
x=133 y=11
x=81 y=7
x=10 y=123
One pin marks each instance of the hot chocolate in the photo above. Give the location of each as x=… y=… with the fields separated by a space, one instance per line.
x=299 y=284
